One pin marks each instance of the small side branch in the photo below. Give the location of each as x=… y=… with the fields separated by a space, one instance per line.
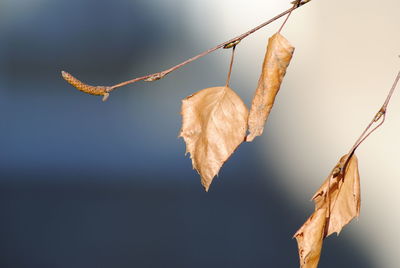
x=228 y=44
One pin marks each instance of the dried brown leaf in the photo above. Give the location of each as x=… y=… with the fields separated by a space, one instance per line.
x=277 y=58
x=342 y=194
x=338 y=199
x=214 y=124
x=309 y=239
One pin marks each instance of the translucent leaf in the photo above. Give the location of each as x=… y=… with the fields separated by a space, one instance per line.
x=343 y=195
x=214 y=124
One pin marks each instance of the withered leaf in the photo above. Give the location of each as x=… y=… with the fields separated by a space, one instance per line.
x=214 y=123
x=339 y=200
x=309 y=239
x=343 y=195
x=276 y=60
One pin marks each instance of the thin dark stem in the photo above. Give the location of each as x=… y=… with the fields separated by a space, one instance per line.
x=372 y=130
x=230 y=67
x=385 y=104
x=235 y=40
x=381 y=114
x=284 y=22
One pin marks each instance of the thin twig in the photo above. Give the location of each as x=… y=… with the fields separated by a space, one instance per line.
x=230 y=66
x=161 y=74
x=381 y=114
x=364 y=135
x=370 y=132
x=386 y=103
x=284 y=22
x=235 y=40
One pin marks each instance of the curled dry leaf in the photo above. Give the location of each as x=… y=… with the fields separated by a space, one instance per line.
x=214 y=124
x=343 y=195
x=277 y=58
x=339 y=200
x=309 y=239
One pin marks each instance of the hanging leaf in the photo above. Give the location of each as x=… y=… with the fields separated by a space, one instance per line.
x=309 y=239
x=343 y=195
x=214 y=124
x=338 y=199
x=277 y=58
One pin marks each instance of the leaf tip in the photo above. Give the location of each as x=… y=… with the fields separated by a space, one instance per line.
x=205 y=182
x=250 y=137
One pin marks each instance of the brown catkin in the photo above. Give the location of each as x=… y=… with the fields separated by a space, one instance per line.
x=93 y=90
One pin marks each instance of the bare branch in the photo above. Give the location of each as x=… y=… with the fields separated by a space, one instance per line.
x=227 y=44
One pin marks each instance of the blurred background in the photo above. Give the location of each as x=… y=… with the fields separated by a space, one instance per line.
x=91 y=184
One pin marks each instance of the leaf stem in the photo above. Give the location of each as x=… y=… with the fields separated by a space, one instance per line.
x=230 y=66
x=235 y=40
x=381 y=114
x=284 y=22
